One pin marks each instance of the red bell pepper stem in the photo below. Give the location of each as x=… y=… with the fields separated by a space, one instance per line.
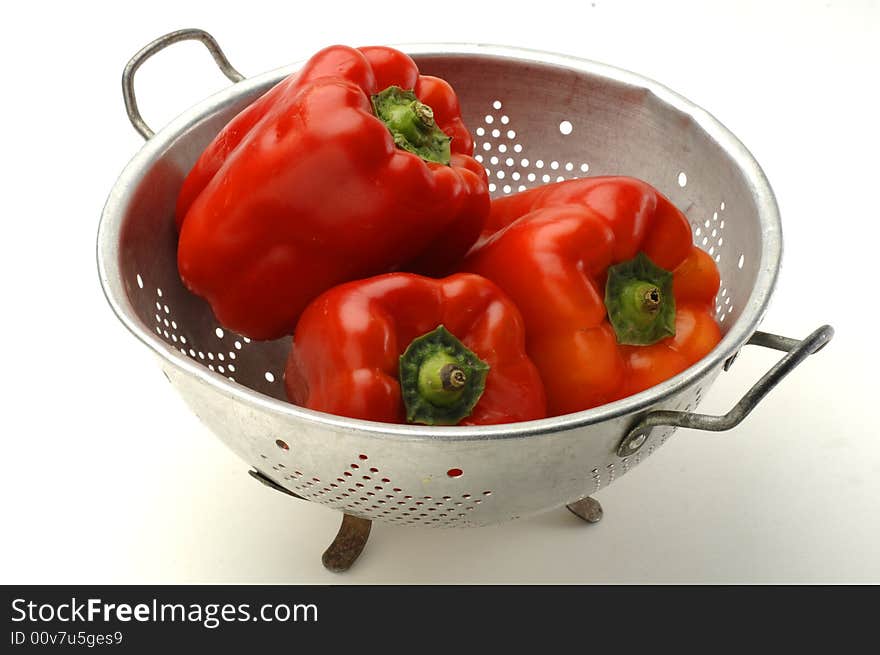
x=440 y=379
x=412 y=124
x=640 y=303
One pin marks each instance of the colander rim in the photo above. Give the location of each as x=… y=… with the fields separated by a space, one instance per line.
x=768 y=268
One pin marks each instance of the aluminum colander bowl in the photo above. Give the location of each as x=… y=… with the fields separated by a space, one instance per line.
x=537 y=117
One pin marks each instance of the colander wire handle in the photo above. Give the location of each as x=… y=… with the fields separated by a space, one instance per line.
x=131 y=107
x=797 y=351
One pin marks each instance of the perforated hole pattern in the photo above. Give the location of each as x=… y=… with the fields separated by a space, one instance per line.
x=220 y=356
x=364 y=488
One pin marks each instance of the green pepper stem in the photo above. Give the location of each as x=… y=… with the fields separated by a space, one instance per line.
x=639 y=300
x=412 y=124
x=441 y=381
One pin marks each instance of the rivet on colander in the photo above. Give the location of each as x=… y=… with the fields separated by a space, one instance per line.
x=632 y=444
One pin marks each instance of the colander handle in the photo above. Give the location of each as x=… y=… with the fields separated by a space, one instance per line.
x=131 y=107
x=797 y=351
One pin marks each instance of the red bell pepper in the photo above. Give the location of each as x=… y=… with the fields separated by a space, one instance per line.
x=401 y=347
x=614 y=295
x=353 y=166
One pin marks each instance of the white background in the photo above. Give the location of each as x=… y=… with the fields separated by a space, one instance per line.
x=107 y=477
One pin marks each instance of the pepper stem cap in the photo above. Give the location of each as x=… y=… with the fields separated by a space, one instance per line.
x=639 y=300
x=440 y=379
x=412 y=124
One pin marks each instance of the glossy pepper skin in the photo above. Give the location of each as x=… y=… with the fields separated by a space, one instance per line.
x=346 y=353
x=308 y=187
x=552 y=253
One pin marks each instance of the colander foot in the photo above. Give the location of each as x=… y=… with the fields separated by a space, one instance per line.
x=587 y=509
x=267 y=482
x=348 y=545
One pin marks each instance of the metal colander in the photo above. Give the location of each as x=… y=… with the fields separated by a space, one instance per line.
x=537 y=118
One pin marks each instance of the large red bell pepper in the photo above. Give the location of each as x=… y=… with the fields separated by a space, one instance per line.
x=353 y=166
x=402 y=347
x=614 y=295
